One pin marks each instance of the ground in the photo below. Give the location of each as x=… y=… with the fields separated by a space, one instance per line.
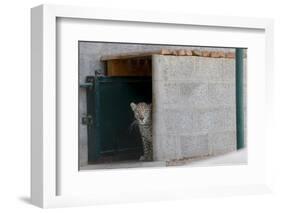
x=232 y=158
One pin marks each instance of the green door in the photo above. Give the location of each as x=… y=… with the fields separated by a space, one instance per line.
x=111 y=135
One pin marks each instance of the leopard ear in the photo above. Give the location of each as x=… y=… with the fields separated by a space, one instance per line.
x=133 y=106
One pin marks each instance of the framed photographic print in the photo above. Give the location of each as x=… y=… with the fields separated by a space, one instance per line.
x=130 y=106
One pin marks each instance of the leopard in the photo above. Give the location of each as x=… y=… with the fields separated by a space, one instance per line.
x=143 y=119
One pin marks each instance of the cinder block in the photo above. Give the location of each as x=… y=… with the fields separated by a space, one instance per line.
x=172 y=67
x=222 y=119
x=222 y=142
x=208 y=69
x=221 y=94
x=180 y=121
x=200 y=121
x=166 y=147
x=158 y=122
x=193 y=94
x=194 y=69
x=179 y=94
x=177 y=122
x=194 y=146
x=165 y=93
x=228 y=70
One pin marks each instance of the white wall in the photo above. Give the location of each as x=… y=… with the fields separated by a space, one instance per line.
x=15 y=99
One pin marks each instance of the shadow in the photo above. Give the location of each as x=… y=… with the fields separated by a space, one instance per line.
x=26 y=200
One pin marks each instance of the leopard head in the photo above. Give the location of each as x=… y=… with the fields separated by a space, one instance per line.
x=142 y=112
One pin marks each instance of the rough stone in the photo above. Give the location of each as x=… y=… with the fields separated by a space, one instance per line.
x=206 y=53
x=196 y=53
x=181 y=52
x=166 y=52
x=174 y=52
x=230 y=55
x=188 y=52
x=217 y=54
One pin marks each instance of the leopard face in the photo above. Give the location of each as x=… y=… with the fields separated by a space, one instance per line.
x=142 y=112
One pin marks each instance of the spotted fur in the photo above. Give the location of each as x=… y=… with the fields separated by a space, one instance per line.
x=143 y=115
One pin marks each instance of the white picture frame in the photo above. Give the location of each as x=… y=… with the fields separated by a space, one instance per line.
x=45 y=153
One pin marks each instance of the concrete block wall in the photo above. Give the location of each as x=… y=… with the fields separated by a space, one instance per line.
x=194 y=110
